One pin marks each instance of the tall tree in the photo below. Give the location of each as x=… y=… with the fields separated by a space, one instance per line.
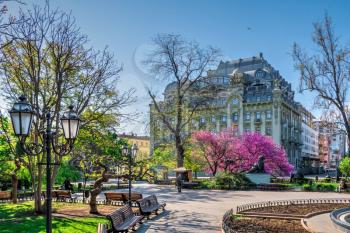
x=49 y=62
x=184 y=64
x=327 y=72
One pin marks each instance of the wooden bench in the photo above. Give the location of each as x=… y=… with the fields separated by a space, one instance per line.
x=121 y=197
x=5 y=195
x=124 y=219
x=272 y=187
x=149 y=205
x=62 y=195
x=134 y=197
x=113 y=196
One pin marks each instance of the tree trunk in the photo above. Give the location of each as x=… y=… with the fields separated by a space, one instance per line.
x=37 y=192
x=97 y=190
x=179 y=151
x=15 y=182
x=14 y=188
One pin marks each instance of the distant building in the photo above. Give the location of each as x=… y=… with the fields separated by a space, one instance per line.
x=252 y=96
x=332 y=143
x=310 y=157
x=142 y=143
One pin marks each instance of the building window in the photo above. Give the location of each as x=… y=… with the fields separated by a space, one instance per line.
x=247 y=116
x=235 y=101
x=235 y=116
x=258 y=98
x=213 y=119
x=268 y=130
x=222 y=101
x=225 y=81
x=257 y=115
x=224 y=118
x=268 y=114
x=202 y=120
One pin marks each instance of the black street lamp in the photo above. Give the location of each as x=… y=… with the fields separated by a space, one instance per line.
x=22 y=115
x=131 y=156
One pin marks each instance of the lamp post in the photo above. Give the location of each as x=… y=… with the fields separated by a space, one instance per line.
x=22 y=115
x=131 y=156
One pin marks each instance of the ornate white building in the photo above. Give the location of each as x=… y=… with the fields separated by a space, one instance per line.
x=252 y=96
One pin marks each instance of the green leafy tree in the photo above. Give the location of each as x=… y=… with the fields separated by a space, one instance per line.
x=67 y=172
x=163 y=159
x=98 y=145
x=49 y=60
x=11 y=160
x=194 y=161
x=344 y=166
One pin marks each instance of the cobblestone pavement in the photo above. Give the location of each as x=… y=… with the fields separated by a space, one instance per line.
x=202 y=210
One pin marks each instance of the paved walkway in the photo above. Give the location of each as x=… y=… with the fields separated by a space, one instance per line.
x=202 y=210
x=321 y=224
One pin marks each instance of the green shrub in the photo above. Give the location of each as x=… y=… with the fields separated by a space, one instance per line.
x=307 y=187
x=326 y=187
x=226 y=181
x=66 y=171
x=327 y=180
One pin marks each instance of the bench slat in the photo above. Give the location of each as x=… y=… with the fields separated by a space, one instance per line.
x=123 y=218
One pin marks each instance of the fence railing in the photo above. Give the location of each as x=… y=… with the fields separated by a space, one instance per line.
x=251 y=206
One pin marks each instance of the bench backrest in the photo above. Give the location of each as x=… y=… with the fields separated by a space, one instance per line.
x=134 y=196
x=61 y=193
x=121 y=215
x=114 y=196
x=148 y=202
x=5 y=195
x=154 y=200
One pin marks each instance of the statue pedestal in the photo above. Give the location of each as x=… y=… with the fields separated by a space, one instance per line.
x=259 y=178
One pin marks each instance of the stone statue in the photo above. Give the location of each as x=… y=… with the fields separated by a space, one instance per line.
x=258 y=167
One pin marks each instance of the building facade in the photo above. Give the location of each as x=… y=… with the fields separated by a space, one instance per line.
x=142 y=142
x=310 y=157
x=253 y=96
x=332 y=143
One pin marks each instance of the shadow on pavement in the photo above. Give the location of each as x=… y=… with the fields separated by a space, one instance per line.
x=177 y=221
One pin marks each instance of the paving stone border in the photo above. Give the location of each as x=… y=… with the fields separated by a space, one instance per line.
x=248 y=211
x=251 y=206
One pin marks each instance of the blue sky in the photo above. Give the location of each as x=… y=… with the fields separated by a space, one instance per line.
x=128 y=26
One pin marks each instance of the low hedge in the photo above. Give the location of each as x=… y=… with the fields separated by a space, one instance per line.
x=322 y=187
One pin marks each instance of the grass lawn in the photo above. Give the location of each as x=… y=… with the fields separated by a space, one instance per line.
x=20 y=218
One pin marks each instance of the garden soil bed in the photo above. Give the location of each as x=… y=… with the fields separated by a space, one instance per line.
x=259 y=225
x=299 y=209
x=82 y=210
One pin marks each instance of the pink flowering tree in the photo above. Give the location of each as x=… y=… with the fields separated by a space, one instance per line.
x=226 y=152
x=251 y=146
x=214 y=147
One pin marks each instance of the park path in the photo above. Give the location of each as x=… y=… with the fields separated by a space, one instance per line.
x=202 y=210
x=321 y=224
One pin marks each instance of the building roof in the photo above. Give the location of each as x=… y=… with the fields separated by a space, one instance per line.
x=134 y=136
